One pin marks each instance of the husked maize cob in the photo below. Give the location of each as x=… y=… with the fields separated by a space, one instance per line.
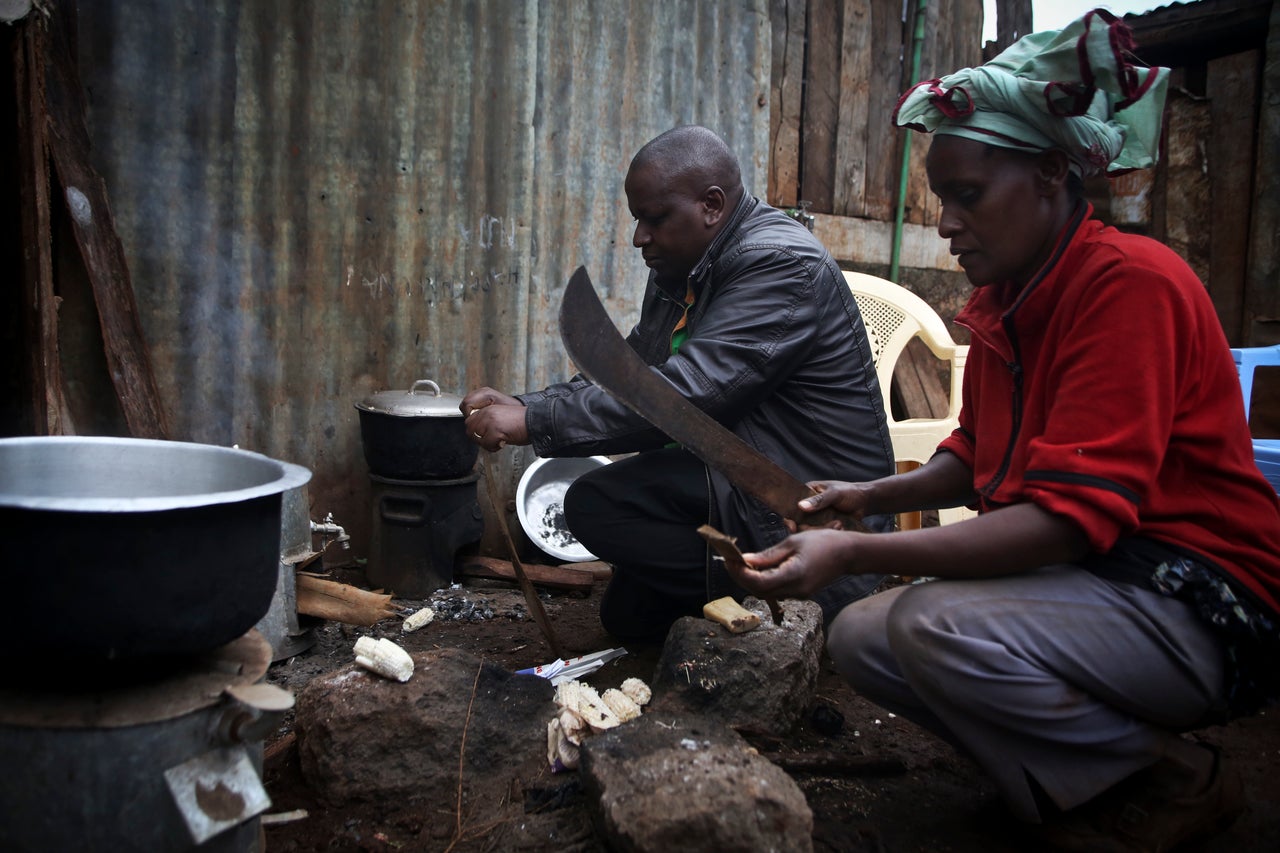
x=731 y=614
x=622 y=705
x=416 y=620
x=584 y=701
x=384 y=657
x=637 y=690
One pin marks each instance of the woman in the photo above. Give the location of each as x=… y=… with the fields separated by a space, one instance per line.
x=1122 y=576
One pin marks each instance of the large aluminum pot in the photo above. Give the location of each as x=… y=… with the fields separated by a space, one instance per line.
x=418 y=434
x=127 y=548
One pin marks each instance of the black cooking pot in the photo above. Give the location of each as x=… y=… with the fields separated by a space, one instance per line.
x=119 y=548
x=417 y=434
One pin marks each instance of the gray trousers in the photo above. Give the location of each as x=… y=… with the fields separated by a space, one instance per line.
x=1055 y=675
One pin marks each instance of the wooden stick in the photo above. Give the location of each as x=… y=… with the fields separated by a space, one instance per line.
x=727 y=547
x=530 y=594
x=557 y=577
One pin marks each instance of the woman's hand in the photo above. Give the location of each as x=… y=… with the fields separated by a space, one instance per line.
x=799 y=565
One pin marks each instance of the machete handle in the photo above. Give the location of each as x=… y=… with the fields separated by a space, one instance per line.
x=824 y=517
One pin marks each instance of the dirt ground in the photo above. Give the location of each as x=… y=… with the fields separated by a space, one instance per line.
x=875 y=782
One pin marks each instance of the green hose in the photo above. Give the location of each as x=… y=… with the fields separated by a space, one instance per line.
x=899 y=213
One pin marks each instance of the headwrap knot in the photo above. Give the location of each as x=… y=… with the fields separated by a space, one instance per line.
x=1074 y=89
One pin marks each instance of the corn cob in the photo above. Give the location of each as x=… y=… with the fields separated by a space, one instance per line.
x=637 y=690
x=384 y=657
x=418 y=619
x=622 y=705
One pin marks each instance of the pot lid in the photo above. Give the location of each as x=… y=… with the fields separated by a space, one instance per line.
x=423 y=399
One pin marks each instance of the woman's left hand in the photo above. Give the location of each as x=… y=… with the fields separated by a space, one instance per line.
x=799 y=565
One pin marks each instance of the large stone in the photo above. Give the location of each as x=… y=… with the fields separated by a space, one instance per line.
x=681 y=782
x=361 y=736
x=759 y=681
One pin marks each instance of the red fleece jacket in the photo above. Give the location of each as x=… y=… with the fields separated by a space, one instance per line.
x=1105 y=391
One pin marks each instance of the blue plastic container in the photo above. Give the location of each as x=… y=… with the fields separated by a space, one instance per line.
x=1266 y=452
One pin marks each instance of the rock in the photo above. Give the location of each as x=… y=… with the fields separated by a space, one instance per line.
x=362 y=737
x=683 y=782
x=760 y=681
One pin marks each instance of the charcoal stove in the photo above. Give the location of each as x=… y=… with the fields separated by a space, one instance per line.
x=419 y=526
x=144 y=754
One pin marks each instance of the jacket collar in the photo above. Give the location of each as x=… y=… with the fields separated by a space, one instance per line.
x=990 y=308
x=746 y=204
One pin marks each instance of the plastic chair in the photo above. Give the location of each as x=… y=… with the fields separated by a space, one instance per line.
x=893 y=316
x=1246 y=360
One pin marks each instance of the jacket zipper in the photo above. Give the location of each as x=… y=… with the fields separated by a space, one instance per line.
x=1015 y=425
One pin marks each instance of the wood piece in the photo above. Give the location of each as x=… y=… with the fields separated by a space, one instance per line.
x=556 y=577
x=598 y=569
x=39 y=303
x=1232 y=89
x=340 y=602
x=883 y=140
x=727 y=547
x=855 y=75
x=279 y=746
x=526 y=586
x=786 y=88
x=85 y=195
x=821 y=106
x=732 y=615
x=1262 y=296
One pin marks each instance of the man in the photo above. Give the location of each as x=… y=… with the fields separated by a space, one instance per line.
x=750 y=319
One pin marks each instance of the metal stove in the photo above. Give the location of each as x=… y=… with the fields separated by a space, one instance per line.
x=142 y=755
x=418 y=528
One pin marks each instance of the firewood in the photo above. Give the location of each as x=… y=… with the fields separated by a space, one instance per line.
x=557 y=577
x=340 y=602
x=726 y=547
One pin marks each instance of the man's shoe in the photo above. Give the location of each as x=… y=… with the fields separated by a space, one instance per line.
x=1140 y=816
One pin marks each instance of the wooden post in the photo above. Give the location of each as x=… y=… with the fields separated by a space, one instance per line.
x=38 y=300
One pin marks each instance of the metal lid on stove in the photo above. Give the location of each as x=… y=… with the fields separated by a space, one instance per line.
x=423 y=399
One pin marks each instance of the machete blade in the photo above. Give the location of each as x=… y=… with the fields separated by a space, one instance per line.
x=604 y=357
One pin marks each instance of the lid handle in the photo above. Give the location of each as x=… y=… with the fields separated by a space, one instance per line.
x=413 y=389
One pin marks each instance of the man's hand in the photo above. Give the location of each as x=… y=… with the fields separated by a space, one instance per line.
x=799 y=565
x=850 y=499
x=494 y=419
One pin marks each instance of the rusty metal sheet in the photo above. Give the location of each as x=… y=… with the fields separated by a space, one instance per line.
x=319 y=200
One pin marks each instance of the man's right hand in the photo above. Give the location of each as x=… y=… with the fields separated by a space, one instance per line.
x=494 y=419
x=851 y=499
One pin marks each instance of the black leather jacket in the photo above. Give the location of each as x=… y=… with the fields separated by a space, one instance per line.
x=776 y=351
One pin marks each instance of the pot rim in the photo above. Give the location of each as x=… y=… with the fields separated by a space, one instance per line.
x=288 y=476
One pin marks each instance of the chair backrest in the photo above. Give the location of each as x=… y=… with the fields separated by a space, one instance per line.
x=893 y=316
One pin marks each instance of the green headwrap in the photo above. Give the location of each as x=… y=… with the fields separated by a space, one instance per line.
x=1073 y=89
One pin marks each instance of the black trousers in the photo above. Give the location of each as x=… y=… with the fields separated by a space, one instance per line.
x=641 y=514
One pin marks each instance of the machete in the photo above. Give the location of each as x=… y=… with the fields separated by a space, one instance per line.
x=604 y=357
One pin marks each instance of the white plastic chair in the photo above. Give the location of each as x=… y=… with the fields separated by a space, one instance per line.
x=893 y=316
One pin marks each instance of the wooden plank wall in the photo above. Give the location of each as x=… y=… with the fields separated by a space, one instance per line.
x=834 y=144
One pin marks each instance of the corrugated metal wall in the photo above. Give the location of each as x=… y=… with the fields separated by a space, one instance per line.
x=323 y=199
